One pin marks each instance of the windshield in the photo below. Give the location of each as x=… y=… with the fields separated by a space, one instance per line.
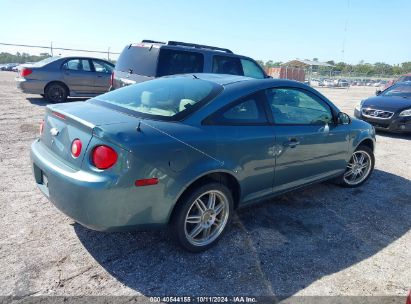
x=403 y=90
x=163 y=98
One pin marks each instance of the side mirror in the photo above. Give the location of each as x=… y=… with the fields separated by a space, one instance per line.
x=378 y=92
x=343 y=119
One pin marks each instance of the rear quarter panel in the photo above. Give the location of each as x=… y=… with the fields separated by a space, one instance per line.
x=176 y=153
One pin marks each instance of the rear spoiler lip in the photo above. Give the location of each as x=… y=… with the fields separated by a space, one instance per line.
x=53 y=110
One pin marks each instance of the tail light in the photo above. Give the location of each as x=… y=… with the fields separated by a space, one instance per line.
x=25 y=72
x=112 y=79
x=103 y=157
x=76 y=148
x=41 y=127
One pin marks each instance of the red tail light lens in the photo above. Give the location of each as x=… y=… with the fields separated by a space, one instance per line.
x=112 y=79
x=25 y=72
x=76 y=148
x=41 y=128
x=103 y=157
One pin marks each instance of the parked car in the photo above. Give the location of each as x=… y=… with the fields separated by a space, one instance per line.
x=315 y=82
x=187 y=150
x=406 y=77
x=10 y=66
x=390 y=110
x=328 y=83
x=342 y=83
x=150 y=59
x=56 y=78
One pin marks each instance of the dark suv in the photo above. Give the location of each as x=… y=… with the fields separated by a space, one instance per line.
x=150 y=59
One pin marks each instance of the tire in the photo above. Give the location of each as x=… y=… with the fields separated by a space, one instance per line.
x=56 y=92
x=352 y=176
x=196 y=225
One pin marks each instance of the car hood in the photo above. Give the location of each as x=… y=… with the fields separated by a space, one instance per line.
x=389 y=103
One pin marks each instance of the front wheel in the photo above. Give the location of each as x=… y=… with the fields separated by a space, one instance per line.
x=359 y=168
x=201 y=217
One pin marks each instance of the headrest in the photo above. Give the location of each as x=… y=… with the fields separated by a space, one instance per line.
x=184 y=104
x=146 y=98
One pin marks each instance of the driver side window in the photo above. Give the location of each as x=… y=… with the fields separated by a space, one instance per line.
x=292 y=106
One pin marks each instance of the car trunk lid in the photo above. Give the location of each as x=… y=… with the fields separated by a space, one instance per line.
x=65 y=123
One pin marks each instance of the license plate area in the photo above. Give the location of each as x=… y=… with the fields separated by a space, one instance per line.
x=41 y=180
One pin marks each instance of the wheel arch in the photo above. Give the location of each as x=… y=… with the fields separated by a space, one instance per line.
x=222 y=177
x=368 y=142
x=57 y=82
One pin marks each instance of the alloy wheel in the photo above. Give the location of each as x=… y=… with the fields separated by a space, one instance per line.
x=358 y=168
x=206 y=218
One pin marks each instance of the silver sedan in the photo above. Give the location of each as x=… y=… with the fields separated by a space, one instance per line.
x=56 y=78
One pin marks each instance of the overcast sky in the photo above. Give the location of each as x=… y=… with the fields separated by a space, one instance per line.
x=345 y=30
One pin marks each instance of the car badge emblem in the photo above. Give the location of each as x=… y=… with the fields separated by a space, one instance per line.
x=54 y=131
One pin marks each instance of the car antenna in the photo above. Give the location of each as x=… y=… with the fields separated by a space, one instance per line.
x=138 y=127
x=195 y=76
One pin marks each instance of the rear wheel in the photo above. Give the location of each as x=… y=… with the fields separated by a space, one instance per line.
x=359 y=168
x=201 y=217
x=56 y=92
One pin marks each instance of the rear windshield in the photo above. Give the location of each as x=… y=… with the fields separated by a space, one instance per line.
x=138 y=59
x=164 y=98
x=45 y=61
x=404 y=78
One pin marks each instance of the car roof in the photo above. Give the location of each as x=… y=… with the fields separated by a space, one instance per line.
x=81 y=57
x=221 y=79
x=231 y=80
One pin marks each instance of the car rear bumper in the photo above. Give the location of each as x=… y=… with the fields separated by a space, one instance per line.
x=94 y=199
x=30 y=86
x=395 y=124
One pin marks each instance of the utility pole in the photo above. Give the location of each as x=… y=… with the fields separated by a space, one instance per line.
x=108 y=54
x=51 y=48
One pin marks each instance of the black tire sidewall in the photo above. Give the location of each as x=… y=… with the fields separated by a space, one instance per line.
x=50 y=86
x=183 y=205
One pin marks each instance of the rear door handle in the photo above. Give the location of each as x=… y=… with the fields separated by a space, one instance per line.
x=292 y=143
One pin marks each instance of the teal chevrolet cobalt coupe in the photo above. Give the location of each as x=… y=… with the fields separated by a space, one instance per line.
x=187 y=150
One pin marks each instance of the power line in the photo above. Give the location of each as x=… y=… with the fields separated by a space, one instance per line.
x=51 y=47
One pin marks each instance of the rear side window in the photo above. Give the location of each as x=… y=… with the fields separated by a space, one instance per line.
x=138 y=59
x=227 y=65
x=247 y=111
x=173 y=62
x=77 y=65
x=251 y=69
